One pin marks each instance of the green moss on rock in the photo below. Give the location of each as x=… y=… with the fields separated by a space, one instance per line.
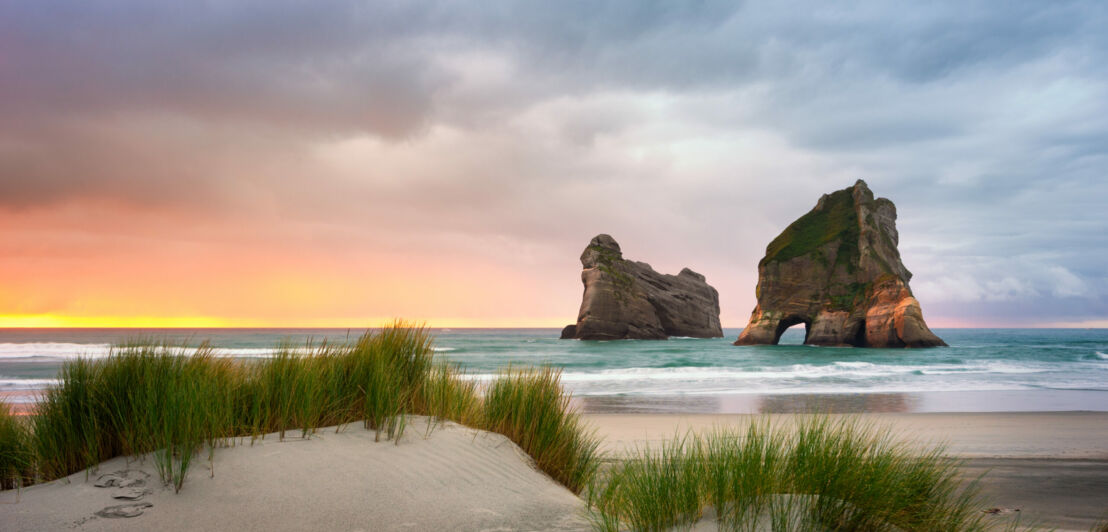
x=605 y=255
x=853 y=296
x=610 y=263
x=835 y=219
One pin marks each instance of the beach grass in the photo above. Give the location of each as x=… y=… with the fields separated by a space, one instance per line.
x=531 y=408
x=150 y=397
x=144 y=398
x=16 y=454
x=745 y=474
x=654 y=489
x=171 y=401
x=66 y=429
x=447 y=395
x=821 y=475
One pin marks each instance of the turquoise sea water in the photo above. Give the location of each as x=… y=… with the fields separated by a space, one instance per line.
x=982 y=370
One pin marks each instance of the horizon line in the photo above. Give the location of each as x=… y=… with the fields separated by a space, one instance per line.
x=339 y=327
x=61 y=321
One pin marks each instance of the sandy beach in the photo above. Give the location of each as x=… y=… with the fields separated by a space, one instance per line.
x=1053 y=467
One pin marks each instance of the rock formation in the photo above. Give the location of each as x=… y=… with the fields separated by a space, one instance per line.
x=837 y=270
x=627 y=299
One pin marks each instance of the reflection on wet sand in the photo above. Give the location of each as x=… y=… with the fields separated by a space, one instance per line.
x=648 y=404
x=850 y=403
x=835 y=403
x=748 y=404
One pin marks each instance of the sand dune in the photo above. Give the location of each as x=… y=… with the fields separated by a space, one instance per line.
x=455 y=479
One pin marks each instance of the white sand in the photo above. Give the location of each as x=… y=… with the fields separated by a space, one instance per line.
x=456 y=479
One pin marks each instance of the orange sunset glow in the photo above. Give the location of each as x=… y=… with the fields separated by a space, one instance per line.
x=105 y=276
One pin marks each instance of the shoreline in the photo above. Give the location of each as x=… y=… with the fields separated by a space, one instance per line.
x=929 y=402
x=1011 y=435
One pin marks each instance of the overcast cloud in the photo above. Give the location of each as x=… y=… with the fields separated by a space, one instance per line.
x=511 y=133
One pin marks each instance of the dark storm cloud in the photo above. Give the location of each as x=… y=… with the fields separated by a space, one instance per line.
x=345 y=67
x=549 y=121
x=296 y=64
x=148 y=102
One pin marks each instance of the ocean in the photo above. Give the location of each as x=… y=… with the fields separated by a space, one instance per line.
x=983 y=370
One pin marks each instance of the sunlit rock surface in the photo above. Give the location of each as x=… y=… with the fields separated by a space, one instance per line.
x=837 y=270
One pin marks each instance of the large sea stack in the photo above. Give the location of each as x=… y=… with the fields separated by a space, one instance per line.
x=625 y=299
x=837 y=270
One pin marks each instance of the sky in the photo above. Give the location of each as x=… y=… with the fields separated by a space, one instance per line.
x=336 y=163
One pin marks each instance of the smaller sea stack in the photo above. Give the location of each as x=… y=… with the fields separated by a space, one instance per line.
x=837 y=270
x=625 y=299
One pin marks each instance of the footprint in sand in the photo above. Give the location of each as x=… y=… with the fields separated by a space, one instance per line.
x=106 y=481
x=130 y=494
x=124 y=510
x=126 y=478
x=129 y=485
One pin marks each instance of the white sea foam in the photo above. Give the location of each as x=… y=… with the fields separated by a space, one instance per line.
x=854 y=364
x=8 y=384
x=790 y=390
x=861 y=373
x=599 y=368
x=57 y=350
x=53 y=350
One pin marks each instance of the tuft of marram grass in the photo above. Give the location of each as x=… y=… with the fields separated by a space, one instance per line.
x=653 y=490
x=66 y=426
x=865 y=479
x=825 y=475
x=447 y=395
x=143 y=398
x=530 y=407
x=743 y=475
x=17 y=465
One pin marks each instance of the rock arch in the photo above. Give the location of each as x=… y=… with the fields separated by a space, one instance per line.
x=786 y=323
x=837 y=269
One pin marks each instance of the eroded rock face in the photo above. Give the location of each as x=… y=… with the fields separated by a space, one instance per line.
x=838 y=271
x=626 y=299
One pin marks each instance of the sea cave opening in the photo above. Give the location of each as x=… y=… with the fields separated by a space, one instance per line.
x=790 y=332
x=858 y=339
